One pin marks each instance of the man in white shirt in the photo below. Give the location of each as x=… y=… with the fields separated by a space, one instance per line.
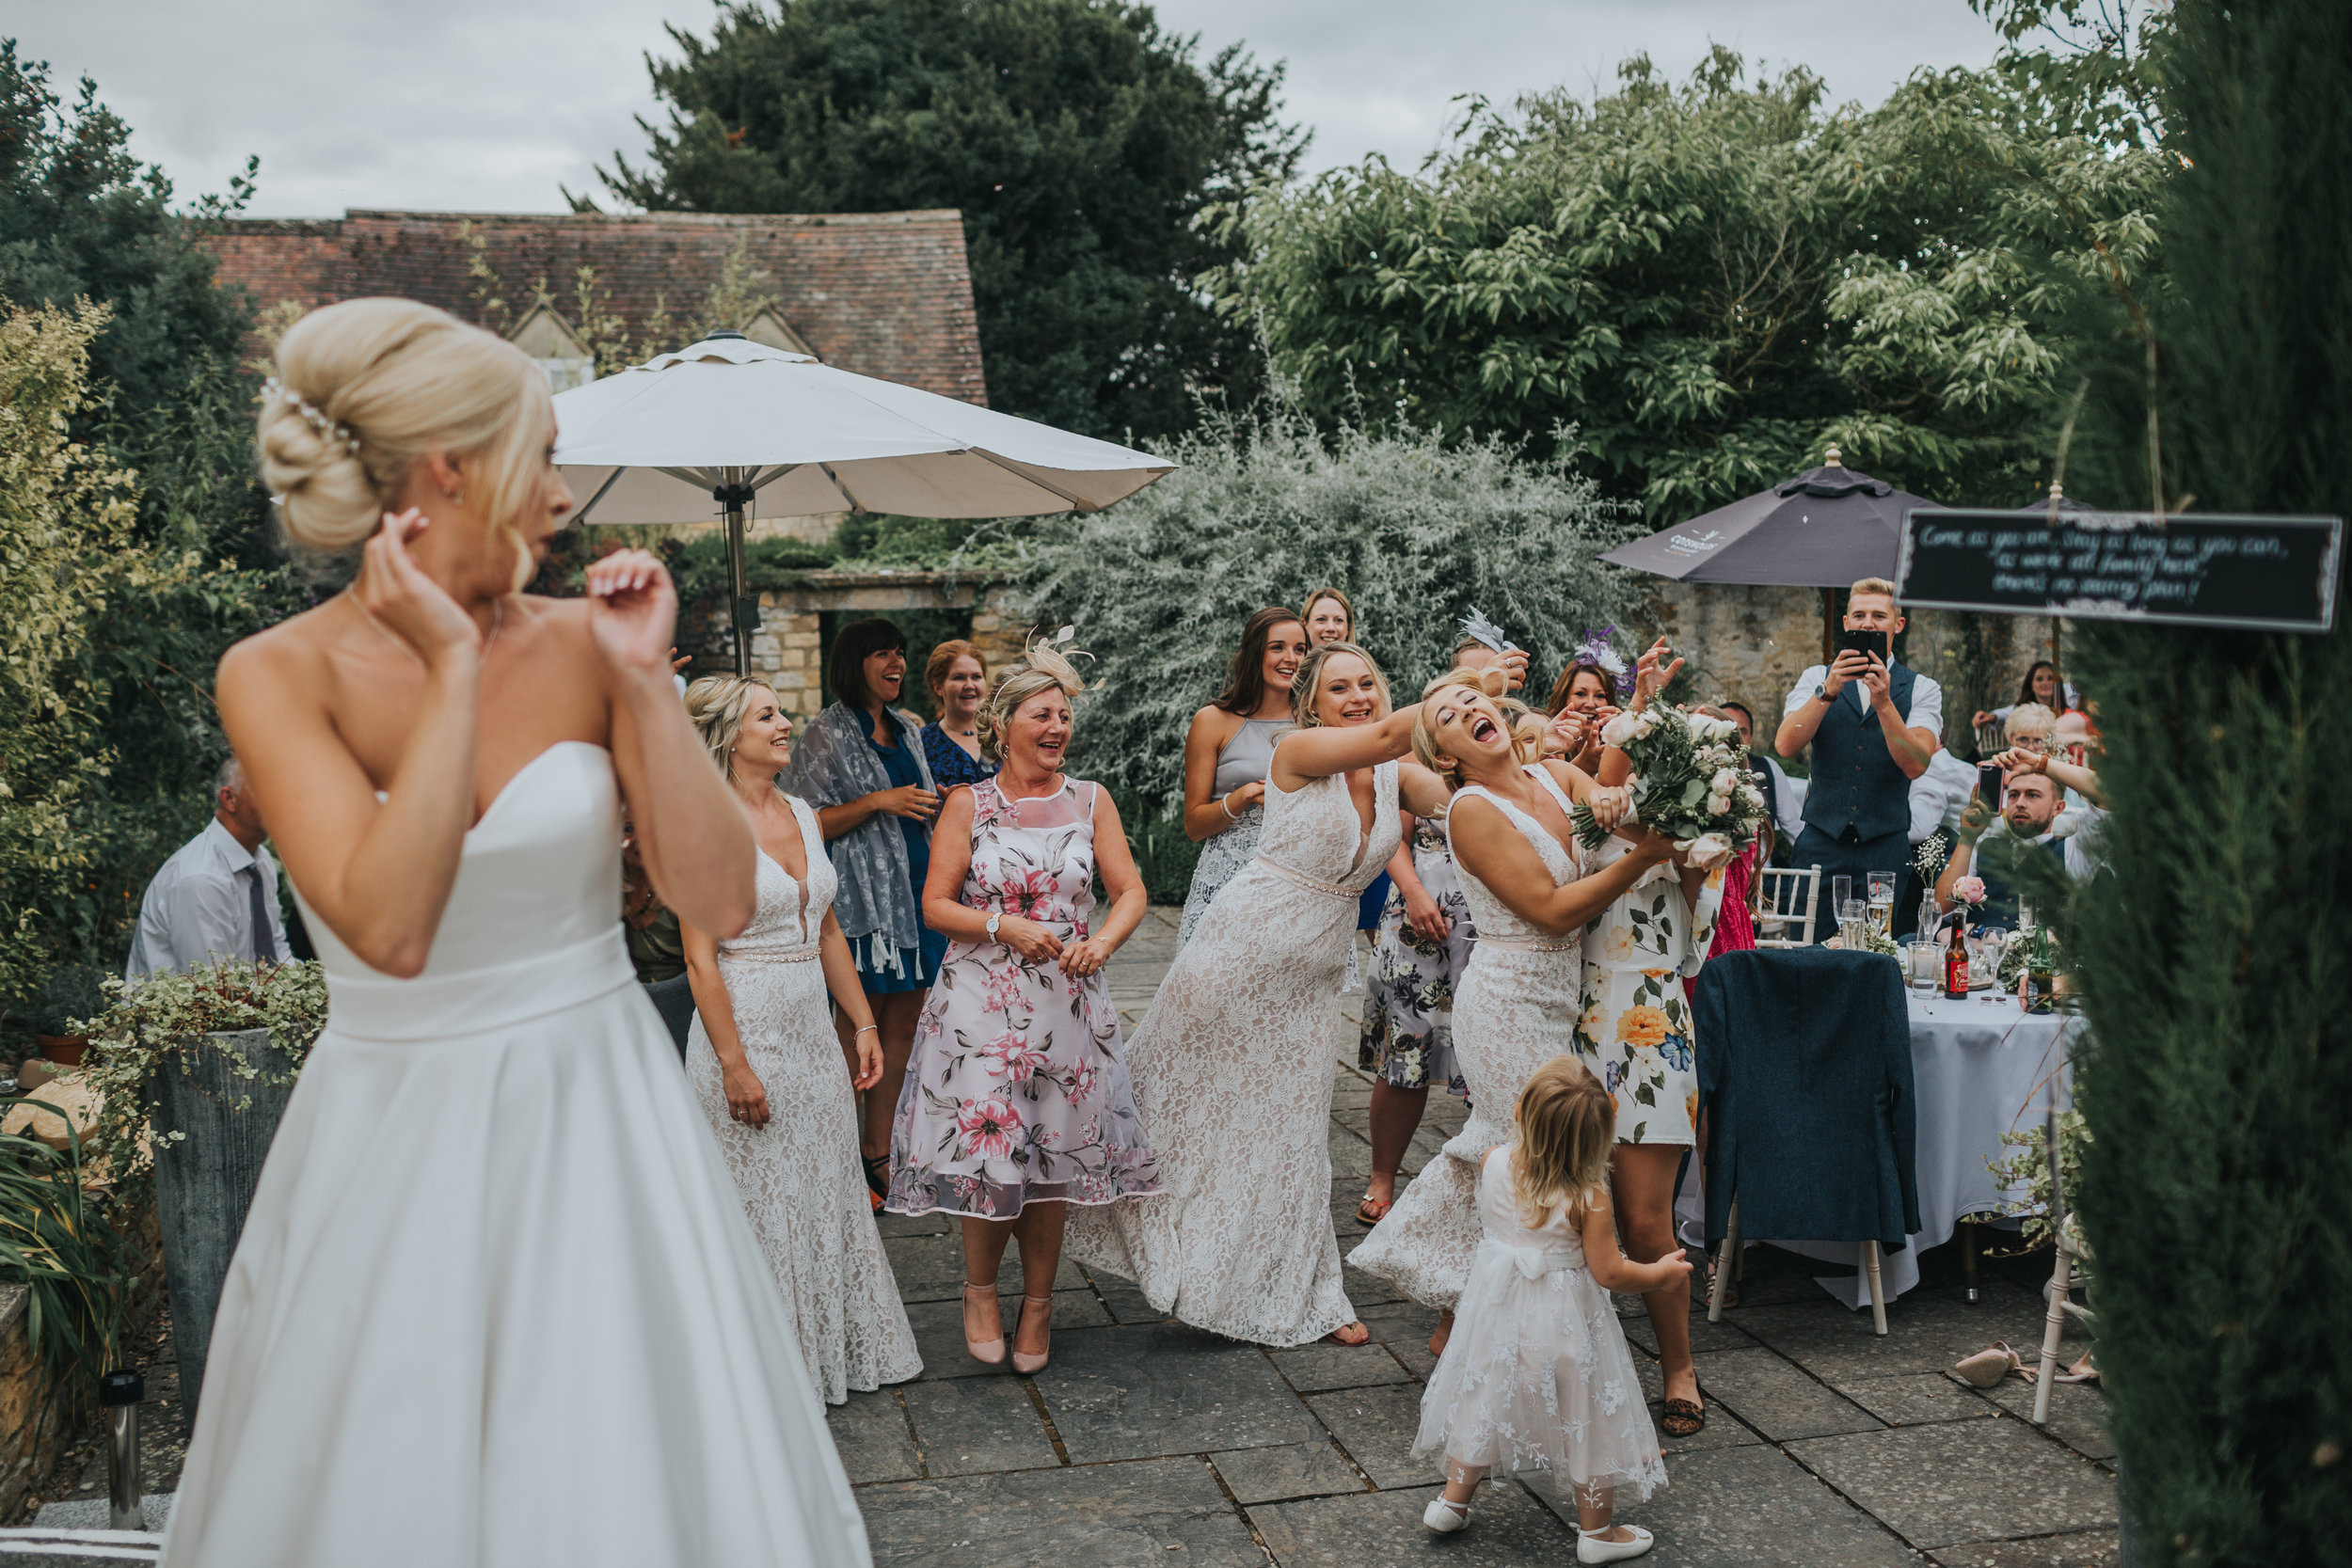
x=216 y=897
x=1873 y=724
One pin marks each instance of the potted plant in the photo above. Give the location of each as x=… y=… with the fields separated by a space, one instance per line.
x=194 y=1071
x=63 y=1006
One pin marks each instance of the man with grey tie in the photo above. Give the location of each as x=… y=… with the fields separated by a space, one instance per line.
x=216 y=897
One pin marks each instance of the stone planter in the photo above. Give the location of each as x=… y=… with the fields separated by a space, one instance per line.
x=204 y=1181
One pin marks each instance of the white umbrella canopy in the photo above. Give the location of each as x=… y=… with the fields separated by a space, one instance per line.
x=654 y=442
x=728 y=426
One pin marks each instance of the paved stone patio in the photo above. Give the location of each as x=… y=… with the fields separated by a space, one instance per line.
x=1825 y=1444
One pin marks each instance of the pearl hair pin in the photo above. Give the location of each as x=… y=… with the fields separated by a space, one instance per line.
x=312 y=415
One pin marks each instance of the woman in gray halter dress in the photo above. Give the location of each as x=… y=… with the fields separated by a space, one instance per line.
x=1228 y=752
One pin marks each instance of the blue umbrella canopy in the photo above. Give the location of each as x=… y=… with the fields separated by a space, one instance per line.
x=1823 y=529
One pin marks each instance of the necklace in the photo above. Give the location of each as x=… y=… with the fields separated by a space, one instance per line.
x=498 y=620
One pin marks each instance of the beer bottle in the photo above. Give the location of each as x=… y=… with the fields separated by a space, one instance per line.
x=1956 y=962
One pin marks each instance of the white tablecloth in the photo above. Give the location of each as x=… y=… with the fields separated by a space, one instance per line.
x=1979 y=1069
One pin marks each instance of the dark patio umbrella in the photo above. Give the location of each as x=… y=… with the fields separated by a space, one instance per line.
x=1823 y=529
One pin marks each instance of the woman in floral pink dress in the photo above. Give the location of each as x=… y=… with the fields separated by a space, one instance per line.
x=1017 y=1102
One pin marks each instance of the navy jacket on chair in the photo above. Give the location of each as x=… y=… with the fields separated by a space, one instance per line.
x=1804 y=1073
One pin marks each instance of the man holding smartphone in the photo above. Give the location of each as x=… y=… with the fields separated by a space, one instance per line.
x=1873 y=724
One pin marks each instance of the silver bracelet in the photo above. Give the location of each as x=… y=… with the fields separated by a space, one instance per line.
x=875 y=1028
x=1224 y=804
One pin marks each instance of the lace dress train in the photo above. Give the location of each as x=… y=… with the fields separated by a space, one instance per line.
x=1232 y=1071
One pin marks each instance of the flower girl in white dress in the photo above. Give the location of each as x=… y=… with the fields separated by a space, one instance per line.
x=1538 y=1375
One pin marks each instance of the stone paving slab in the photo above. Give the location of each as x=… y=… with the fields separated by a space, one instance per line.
x=1318 y=1368
x=870 y=1434
x=975 y=1425
x=1959 y=1482
x=1160 y=1511
x=1508 y=1528
x=1752 y=1507
x=1775 y=1398
x=1286 y=1471
x=1164 y=1389
x=2078 y=1413
x=2091 y=1549
x=1916 y=1399
x=1723 y=1428
x=1377 y=1427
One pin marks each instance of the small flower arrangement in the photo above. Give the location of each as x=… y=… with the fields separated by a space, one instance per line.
x=1689 y=783
x=1969 y=891
x=1934 y=854
x=156 y=1019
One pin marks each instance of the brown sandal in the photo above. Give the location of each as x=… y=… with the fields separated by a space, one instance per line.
x=1373 y=1209
x=1682 y=1418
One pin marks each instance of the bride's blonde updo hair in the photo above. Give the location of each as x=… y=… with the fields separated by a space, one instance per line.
x=1526 y=727
x=366 y=387
x=1042 y=667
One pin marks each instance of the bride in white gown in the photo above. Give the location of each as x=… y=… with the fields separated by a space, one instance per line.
x=767 y=1066
x=1233 y=1065
x=1515 y=1007
x=495 y=1302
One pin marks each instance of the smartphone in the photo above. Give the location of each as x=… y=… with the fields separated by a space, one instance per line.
x=1865 y=643
x=1989 y=784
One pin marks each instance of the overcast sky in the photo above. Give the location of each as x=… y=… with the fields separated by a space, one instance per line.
x=491 y=105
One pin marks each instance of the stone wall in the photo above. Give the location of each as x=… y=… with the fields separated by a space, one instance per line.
x=1751 y=644
x=788 y=646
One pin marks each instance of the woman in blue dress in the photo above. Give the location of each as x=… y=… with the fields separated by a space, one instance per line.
x=861 y=764
x=958 y=677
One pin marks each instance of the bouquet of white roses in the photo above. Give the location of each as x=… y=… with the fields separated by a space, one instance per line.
x=1689 y=783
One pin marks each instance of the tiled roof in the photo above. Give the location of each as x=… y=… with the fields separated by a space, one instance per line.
x=886 y=294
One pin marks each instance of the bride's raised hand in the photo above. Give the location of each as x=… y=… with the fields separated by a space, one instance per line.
x=397 y=594
x=632 y=612
x=1652 y=674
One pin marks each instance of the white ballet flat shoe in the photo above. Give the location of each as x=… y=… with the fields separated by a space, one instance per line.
x=1595 y=1549
x=1445 y=1517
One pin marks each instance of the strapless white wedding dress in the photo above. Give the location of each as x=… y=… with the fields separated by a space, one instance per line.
x=496 y=1303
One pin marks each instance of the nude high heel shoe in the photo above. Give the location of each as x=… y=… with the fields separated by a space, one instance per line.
x=989 y=1352
x=1029 y=1366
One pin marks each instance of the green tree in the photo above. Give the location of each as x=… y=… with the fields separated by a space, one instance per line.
x=2216 y=1190
x=168 y=403
x=1417 y=531
x=1711 y=281
x=1079 y=139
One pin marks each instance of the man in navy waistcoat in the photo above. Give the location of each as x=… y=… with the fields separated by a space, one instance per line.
x=1872 y=727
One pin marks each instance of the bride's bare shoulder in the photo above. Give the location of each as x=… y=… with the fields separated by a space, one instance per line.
x=290 y=652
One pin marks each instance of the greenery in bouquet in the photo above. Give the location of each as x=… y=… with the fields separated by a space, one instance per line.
x=154 y=1021
x=1690 y=782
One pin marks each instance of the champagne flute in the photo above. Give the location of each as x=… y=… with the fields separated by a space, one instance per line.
x=1850 y=925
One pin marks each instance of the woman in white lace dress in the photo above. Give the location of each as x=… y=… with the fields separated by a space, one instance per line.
x=1227 y=753
x=1233 y=1065
x=768 y=1072
x=1516 y=1009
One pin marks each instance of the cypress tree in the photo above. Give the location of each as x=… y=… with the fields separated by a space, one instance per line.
x=2216 y=1193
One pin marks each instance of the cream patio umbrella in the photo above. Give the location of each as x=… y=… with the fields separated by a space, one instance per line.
x=727 y=424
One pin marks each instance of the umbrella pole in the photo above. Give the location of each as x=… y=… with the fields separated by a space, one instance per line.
x=741 y=606
x=1832 y=622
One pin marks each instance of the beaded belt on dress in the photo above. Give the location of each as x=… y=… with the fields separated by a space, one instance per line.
x=1314 y=883
x=771 y=955
x=1533 y=944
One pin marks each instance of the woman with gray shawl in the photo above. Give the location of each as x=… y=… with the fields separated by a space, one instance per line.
x=860 y=763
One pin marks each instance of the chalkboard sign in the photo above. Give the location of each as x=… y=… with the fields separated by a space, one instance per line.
x=2268 y=574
